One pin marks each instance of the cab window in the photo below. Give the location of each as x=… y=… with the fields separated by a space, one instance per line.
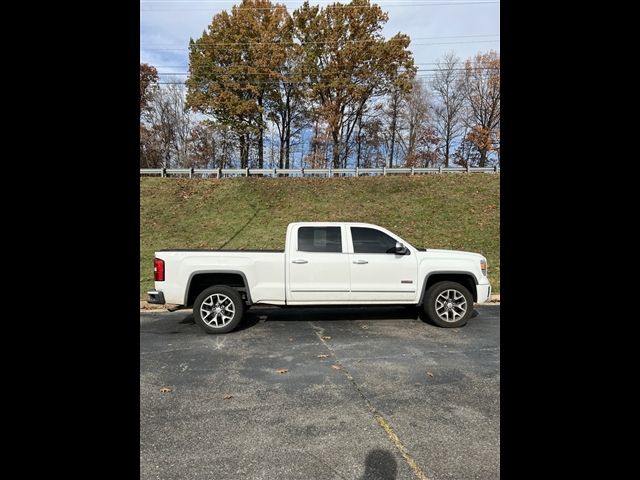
x=370 y=240
x=319 y=239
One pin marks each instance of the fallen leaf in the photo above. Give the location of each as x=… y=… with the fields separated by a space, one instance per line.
x=282 y=370
x=166 y=390
x=326 y=337
x=430 y=374
x=323 y=355
x=337 y=367
x=228 y=397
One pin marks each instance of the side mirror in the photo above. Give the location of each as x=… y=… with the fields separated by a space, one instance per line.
x=400 y=249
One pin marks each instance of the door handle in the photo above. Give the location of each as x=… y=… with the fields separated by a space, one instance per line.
x=360 y=262
x=299 y=261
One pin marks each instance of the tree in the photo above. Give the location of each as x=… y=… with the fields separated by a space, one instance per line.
x=150 y=156
x=371 y=139
x=347 y=61
x=150 y=153
x=148 y=84
x=169 y=124
x=235 y=65
x=393 y=111
x=202 y=146
x=466 y=155
x=482 y=92
x=447 y=114
x=286 y=101
x=420 y=140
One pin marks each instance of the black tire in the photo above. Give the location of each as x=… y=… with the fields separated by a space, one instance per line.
x=434 y=311
x=228 y=292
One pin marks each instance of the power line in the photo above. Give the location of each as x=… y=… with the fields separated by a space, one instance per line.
x=305 y=73
x=413 y=44
x=416 y=63
x=292 y=82
x=328 y=7
x=327 y=42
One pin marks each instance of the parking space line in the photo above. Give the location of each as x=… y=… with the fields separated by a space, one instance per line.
x=388 y=429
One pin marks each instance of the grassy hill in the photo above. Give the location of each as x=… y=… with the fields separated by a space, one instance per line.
x=453 y=211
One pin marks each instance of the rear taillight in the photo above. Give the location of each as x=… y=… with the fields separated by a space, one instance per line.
x=158 y=270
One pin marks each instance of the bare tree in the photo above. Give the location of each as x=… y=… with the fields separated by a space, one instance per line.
x=482 y=92
x=169 y=124
x=418 y=139
x=447 y=114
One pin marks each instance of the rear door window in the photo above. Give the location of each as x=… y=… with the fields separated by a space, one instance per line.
x=320 y=239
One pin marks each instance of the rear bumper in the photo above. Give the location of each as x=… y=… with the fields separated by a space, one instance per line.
x=484 y=292
x=156 y=297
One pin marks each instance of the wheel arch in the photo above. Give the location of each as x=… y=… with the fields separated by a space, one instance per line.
x=203 y=279
x=465 y=278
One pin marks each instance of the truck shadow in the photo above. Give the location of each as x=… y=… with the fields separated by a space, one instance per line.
x=294 y=314
x=258 y=314
x=329 y=313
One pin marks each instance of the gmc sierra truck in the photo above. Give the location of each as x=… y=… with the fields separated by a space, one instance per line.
x=324 y=263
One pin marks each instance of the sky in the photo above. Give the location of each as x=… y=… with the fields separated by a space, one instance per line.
x=436 y=27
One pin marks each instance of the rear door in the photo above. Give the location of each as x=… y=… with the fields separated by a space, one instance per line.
x=318 y=265
x=378 y=274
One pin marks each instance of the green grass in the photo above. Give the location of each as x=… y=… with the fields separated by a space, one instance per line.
x=452 y=211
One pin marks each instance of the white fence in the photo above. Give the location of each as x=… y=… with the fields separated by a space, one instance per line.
x=302 y=172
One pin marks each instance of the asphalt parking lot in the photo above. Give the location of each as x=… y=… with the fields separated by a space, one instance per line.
x=349 y=393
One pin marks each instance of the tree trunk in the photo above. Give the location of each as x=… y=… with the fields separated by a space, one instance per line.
x=244 y=151
x=393 y=141
x=287 y=128
x=483 y=157
x=335 y=134
x=314 y=142
x=446 y=152
x=288 y=142
x=260 y=138
x=359 y=140
x=261 y=148
x=394 y=124
x=281 y=138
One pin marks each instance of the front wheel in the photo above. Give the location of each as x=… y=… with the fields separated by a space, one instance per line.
x=218 y=309
x=448 y=304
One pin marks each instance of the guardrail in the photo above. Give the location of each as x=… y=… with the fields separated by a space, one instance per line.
x=301 y=172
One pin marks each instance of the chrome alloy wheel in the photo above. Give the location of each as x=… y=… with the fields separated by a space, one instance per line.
x=451 y=305
x=217 y=310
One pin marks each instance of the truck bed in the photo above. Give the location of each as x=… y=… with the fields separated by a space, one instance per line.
x=264 y=271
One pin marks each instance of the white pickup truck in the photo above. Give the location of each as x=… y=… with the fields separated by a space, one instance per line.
x=324 y=263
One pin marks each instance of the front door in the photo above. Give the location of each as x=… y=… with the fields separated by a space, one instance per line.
x=378 y=274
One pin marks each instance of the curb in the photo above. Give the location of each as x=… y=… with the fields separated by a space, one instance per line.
x=494 y=299
x=149 y=307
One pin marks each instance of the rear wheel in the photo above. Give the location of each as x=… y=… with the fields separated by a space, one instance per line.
x=448 y=304
x=218 y=309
